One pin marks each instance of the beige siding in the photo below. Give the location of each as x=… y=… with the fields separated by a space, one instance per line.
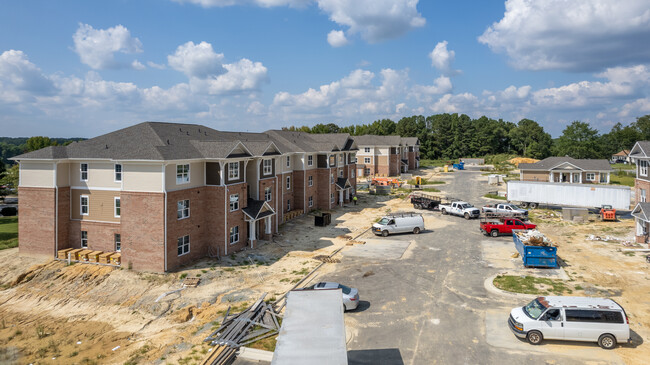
x=37 y=174
x=143 y=177
x=535 y=176
x=63 y=174
x=100 y=175
x=101 y=205
x=314 y=164
x=196 y=176
x=384 y=151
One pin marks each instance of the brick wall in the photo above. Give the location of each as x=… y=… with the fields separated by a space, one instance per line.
x=311 y=190
x=286 y=195
x=638 y=185
x=299 y=189
x=236 y=218
x=322 y=197
x=394 y=164
x=270 y=183
x=64 y=218
x=101 y=235
x=411 y=158
x=194 y=226
x=214 y=210
x=36 y=210
x=143 y=231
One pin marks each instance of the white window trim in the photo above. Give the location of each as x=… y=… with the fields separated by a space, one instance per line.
x=115 y=200
x=270 y=195
x=310 y=180
x=642 y=197
x=643 y=167
x=189 y=241
x=115 y=241
x=331 y=197
x=366 y=160
x=270 y=167
x=115 y=172
x=182 y=179
x=230 y=202
x=233 y=176
x=366 y=149
x=311 y=201
x=352 y=174
x=81 y=209
x=593 y=178
x=230 y=231
x=289 y=162
x=81 y=172
x=288 y=181
x=183 y=209
x=310 y=160
x=82 y=239
x=288 y=205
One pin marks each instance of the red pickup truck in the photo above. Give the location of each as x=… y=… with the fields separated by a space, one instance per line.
x=504 y=226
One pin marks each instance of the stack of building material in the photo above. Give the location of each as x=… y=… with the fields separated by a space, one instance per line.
x=236 y=330
x=533 y=237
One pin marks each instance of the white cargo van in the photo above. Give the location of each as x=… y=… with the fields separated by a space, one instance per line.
x=399 y=223
x=573 y=319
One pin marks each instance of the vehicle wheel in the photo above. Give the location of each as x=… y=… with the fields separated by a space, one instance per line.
x=417 y=206
x=466 y=215
x=534 y=337
x=607 y=342
x=443 y=211
x=416 y=230
x=494 y=233
x=384 y=233
x=524 y=205
x=533 y=205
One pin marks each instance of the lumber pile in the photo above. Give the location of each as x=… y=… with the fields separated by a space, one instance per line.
x=253 y=324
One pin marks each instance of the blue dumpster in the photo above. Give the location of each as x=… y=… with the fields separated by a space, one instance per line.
x=459 y=166
x=536 y=256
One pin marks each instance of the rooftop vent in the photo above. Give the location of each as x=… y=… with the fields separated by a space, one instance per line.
x=188 y=133
x=106 y=146
x=167 y=141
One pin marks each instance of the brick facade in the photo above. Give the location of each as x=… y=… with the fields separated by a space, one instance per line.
x=638 y=185
x=394 y=165
x=143 y=231
x=36 y=230
x=101 y=235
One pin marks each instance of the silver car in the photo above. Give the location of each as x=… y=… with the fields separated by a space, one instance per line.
x=350 y=295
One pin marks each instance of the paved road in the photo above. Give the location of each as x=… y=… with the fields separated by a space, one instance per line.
x=430 y=306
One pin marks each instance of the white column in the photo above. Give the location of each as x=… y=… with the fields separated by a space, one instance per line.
x=571 y=177
x=341 y=197
x=252 y=235
x=608 y=177
x=267 y=224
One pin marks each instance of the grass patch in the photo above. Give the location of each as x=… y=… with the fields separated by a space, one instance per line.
x=494 y=196
x=267 y=344
x=531 y=285
x=618 y=179
x=432 y=190
x=8 y=232
x=622 y=166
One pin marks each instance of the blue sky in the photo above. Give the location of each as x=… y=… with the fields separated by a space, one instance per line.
x=83 y=68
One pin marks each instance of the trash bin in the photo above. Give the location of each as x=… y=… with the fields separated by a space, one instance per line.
x=327 y=217
x=323 y=219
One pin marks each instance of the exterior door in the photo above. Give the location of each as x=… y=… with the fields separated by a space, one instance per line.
x=551 y=324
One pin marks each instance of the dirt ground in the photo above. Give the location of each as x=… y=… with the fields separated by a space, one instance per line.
x=594 y=262
x=85 y=314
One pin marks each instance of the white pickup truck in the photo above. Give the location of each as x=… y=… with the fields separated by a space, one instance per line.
x=509 y=210
x=462 y=209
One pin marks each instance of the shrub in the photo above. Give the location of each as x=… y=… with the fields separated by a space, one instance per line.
x=9 y=211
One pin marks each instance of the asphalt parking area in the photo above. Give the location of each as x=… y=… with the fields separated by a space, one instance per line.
x=378 y=249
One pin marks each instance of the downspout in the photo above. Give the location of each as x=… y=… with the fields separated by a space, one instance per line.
x=224 y=173
x=164 y=187
x=56 y=209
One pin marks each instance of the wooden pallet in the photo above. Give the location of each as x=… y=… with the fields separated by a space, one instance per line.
x=191 y=282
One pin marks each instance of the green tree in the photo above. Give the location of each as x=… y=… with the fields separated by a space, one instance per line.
x=325 y=128
x=529 y=139
x=642 y=125
x=578 y=140
x=619 y=138
x=36 y=143
x=9 y=178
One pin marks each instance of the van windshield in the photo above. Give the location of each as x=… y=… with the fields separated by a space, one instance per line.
x=534 y=309
x=383 y=221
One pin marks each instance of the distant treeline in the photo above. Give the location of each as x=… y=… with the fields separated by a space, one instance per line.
x=10 y=147
x=450 y=136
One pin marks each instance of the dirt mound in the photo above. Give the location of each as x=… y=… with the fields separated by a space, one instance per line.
x=517 y=160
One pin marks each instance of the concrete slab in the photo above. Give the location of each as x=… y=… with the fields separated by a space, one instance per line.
x=498 y=334
x=498 y=252
x=383 y=249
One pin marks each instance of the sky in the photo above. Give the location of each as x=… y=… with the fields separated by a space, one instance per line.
x=83 y=68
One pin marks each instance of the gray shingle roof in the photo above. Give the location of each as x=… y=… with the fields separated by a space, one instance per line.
x=410 y=141
x=373 y=140
x=642 y=211
x=641 y=149
x=551 y=162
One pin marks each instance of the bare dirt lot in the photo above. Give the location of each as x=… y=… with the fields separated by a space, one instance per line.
x=52 y=313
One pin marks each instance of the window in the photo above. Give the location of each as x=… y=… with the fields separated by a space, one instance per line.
x=183 y=245
x=267 y=194
x=183 y=209
x=352 y=191
x=267 y=168
x=182 y=174
x=118 y=172
x=84 y=171
x=341 y=159
x=311 y=201
x=366 y=160
x=366 y=149
x=117 y=207
x=352 y=174
x=84 y=239
x=118 y=242
x=233 y=171
x=288 y=161
x=603 y=178
x=310 y=181
x=366 y=171
x=331 y=178
x=84 y=205
x=591 y=176
x=642 y=199
x=341 y=173
x=288 y=182
x=288 y=205
x=310 y=160
x=586 y=315
x=234 y=202
x=332 y=198
x=234 y=235
x=643 y=167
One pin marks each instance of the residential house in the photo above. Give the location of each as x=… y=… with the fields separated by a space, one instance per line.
x=566 y=170
x=621 y=157
x=165 y=194
x=386 y=155
x=640 y=155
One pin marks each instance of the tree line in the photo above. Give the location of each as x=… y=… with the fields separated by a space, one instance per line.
x=451 y=136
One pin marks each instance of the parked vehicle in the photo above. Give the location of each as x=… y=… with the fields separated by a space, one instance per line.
x=399 y=223
x=571 y=318
x=532 y=193
x=460 y=208
x=535 y=249
x=506 y=209
x=503 y=225
x=350 y=295
x=421 y=200
x=607 y=213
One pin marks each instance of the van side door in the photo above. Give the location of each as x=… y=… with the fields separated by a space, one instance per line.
x=551 y=324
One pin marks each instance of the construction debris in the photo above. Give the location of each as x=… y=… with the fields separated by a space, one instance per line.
x=240 y=329
x=326 y=259
x=534 y=238
x=191 y=282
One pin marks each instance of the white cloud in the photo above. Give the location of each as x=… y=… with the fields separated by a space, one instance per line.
x=441 y=85
x=137 y=65
x=156 y=65
x=240 y=76
x=336 y=38
x=576 y=35
x=19 y=76
x=97 y=47
x=458 y=103
x=196 y=60
x=639 y=106
x=375 y=20
x=441 y=59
